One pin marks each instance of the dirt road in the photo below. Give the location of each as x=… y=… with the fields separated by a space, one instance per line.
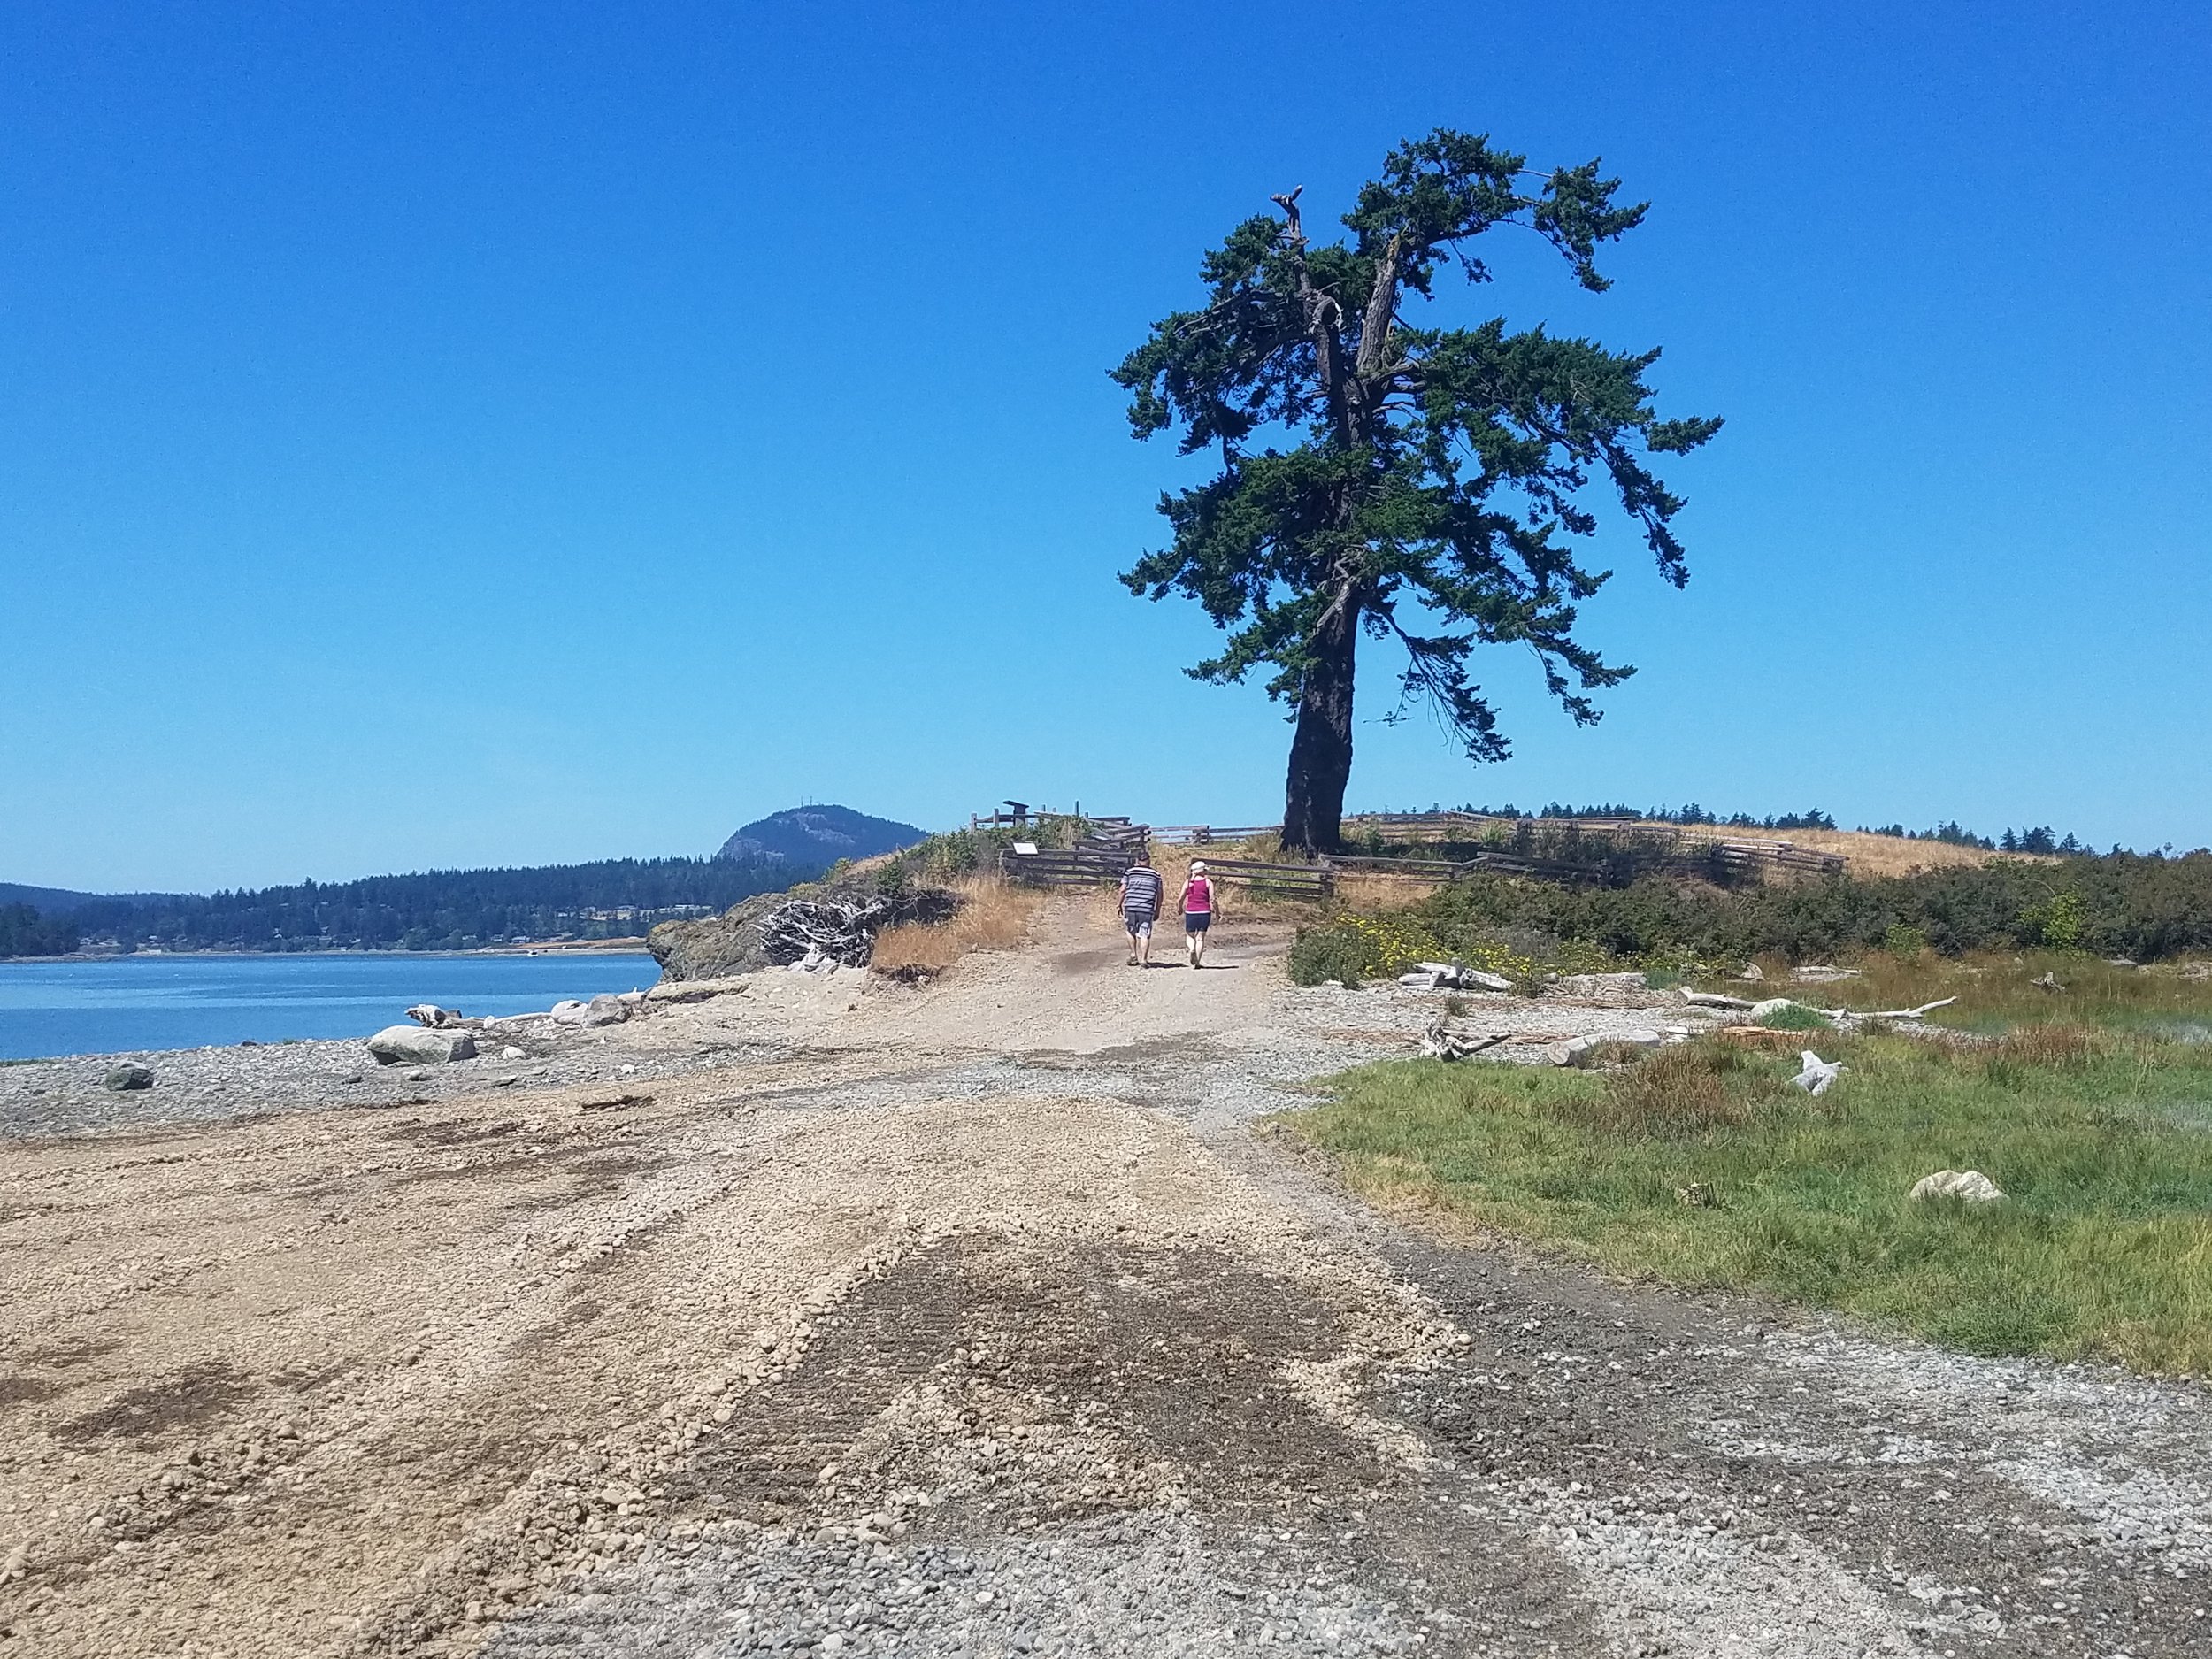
x=976 y=1319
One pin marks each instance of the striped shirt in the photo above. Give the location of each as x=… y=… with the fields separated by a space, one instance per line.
x=1140 y=892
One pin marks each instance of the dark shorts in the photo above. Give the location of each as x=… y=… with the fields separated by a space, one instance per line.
x=1197 y=921
x=1138 y=922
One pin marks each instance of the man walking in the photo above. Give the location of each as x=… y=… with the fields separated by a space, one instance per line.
x=1142 y=890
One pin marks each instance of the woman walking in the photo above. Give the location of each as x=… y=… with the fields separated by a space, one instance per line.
x=1200 y=902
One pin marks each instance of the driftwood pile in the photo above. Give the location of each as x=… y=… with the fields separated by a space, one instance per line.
x=842 y=928
x=1841 y=1017
x=1441 y=1042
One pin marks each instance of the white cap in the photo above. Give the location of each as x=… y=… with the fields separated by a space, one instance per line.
x=1198 y=866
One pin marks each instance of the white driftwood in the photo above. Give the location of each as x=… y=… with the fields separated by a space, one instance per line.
x=1454 y=976
x=1714 y=999
x=1846 y=1016
x=1818 y=1073
x=1441 y=1042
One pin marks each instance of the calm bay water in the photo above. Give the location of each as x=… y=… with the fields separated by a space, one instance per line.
x=133 y=1002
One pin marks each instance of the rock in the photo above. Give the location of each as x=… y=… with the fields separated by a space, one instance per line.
x=776 y=929
x=1771 y=1005
x=130 y=1075
x=1818 y=1073
x=697 y=990
x=605 y=1010
x=512 y=1053
x=1971 y=1185
x=631 y=997
x=414 y=1045
x=569 y=1013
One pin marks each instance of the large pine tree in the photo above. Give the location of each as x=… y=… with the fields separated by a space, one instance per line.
x=1425 y=486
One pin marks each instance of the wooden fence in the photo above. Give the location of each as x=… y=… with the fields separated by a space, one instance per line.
x=1087 y=866
x=1114 y=843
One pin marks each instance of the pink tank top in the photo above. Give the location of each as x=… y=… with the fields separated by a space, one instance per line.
x=1198 y=898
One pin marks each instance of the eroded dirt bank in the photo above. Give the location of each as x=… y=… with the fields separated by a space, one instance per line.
x=977 y=1320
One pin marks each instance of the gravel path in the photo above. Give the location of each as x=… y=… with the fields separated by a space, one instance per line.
x=844 y=1317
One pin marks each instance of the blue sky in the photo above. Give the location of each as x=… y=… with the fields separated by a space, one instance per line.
x=493 y=435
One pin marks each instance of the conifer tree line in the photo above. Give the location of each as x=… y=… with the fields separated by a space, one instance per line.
x=25 y=932
x=456 y=909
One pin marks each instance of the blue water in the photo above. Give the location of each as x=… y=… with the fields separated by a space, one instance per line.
x=133 y=1002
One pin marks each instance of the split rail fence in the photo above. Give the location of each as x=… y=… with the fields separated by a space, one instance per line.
x=1111 y=845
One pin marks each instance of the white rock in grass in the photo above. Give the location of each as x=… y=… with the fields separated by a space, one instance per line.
x=1771 y=1005
x=1818 y=1073
x=1970 y=1184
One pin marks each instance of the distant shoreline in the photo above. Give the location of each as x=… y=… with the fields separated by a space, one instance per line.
x=575 y=948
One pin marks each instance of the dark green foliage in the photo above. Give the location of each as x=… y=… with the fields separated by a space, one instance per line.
x=1421 y=485
x=438 y=910
x=2121 y=904
x=25 y=932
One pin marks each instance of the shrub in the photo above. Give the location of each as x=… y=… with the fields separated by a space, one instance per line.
x=1353 y=948
x=2123 y=904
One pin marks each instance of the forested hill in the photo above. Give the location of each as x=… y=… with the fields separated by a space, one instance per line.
x=453 y=909
x=438 y=910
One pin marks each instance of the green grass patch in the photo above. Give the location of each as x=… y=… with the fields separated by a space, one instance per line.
x=2103 y=1247
x=1796 y=1017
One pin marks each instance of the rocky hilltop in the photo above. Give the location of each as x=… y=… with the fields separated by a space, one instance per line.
x=810 y=839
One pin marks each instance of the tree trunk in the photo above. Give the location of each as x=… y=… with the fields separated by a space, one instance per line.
x=1321 y=749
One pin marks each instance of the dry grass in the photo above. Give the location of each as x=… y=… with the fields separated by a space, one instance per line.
x=1367 y=893
x=1872 y=855
x=1684 y=1089
x=1998 y=991
x=995 y=916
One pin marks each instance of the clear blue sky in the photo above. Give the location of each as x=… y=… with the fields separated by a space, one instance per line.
x=436 y=436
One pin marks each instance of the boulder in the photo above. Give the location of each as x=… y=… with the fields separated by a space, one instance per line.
x=1771 y=1005
x=697 y=990
x=414 y=1045
x=1578 y=1051
x=130 y=1075
x=605 y=1010
x=570 y=1013
x=512 y=1053
x=1970 y=1185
